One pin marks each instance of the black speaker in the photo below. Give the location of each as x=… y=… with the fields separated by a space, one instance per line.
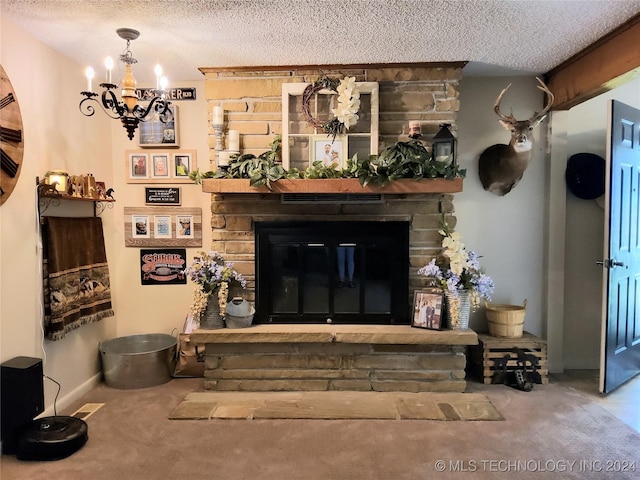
x=22 y=395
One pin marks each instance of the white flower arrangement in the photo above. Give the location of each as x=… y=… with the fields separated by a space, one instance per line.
x=458 y=270
x=348 y=102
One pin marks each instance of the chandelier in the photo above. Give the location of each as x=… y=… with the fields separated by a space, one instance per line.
x=127 y=109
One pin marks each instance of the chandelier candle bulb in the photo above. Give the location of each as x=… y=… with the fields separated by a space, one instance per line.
x=234 y=140
x=218 y=116
x=158 y=71
x=108 y=63
x=89 y=73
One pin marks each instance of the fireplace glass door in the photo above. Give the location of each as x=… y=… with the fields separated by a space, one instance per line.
x=332 y=272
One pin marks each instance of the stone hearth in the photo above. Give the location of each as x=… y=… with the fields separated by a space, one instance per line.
x=382 y=358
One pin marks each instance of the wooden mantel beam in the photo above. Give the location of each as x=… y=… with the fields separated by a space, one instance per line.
x=603 y=66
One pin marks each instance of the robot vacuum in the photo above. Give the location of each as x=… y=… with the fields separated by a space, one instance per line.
x=51 y=438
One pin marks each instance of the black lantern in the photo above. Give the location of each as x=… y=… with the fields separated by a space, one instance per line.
x=444 y=145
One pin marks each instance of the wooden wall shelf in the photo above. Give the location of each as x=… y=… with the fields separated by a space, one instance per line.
x=333 y=185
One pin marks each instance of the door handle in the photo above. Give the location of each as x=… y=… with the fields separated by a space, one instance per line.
x=607 y=263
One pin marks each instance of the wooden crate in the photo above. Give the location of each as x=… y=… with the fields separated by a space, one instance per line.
x=484 y=359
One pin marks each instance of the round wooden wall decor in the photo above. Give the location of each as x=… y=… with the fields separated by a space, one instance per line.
x=11 y=137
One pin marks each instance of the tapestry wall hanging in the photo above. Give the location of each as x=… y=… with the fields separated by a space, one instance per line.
x=77 y=290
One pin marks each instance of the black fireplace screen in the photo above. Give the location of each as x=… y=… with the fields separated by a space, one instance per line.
x=332 y=272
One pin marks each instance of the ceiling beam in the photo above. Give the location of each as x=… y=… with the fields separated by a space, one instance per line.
x=360 y=66
x=604 y=65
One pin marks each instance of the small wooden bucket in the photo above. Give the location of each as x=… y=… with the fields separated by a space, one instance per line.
x=506 y=320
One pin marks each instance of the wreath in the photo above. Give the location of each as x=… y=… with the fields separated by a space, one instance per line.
x=345 y=114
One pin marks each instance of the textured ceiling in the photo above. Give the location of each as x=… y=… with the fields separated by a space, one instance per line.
x=497 y=37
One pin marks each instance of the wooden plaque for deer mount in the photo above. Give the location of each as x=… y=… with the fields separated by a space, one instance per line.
x=11 y=137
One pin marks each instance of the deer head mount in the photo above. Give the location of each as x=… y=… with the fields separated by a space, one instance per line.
x=501 y=166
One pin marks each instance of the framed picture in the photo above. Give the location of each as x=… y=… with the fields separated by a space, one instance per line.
x=184 y=226
x=140 y=226
x=155 y=133
x=428 y=307
x=181 y=164
x=138 y=166
x=162 y=224
x=328 y=150
x=160 y=164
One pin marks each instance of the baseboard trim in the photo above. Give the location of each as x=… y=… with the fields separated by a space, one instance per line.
x=65 y=401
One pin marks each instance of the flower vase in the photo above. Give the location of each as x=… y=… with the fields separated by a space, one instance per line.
x=211 y=318
x=458 y=309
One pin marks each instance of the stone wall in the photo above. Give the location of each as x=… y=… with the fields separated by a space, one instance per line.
x=234 y=215
x=331 y=366
x=251 y=99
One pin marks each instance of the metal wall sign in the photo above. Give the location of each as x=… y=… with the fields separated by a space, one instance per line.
x=163 y=266
x=162 y=196
x=173 y=94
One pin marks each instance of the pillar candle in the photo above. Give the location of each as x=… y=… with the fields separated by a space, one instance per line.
x=218 y=116
x=223 y=158
x=414 y=128
x=234 y=140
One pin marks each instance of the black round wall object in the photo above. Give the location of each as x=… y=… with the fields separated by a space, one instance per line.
x=52 y=438
x=585 y=175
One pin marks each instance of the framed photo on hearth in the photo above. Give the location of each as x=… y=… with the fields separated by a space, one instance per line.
x=428 y=307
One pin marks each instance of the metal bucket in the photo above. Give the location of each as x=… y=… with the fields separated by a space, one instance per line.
x=138 y=361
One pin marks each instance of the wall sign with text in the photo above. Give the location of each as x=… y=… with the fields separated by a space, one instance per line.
x=163 y=266
x=162 y=196
x=173 y=94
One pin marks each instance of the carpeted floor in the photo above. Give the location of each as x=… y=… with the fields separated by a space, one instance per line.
x=553 y=432
x=335 y=405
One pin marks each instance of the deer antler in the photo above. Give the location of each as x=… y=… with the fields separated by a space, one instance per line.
x=536 y=116
x=496 y=107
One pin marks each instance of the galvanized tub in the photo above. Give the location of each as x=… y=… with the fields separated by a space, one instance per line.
x=138 y=361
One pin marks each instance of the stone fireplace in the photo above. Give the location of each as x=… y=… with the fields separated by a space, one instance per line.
x=361 y=350
x=235 y=216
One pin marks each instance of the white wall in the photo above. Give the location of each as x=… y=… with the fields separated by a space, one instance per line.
x=58 y=136
x=508 y=231
x=587 y=133
x=157 y=308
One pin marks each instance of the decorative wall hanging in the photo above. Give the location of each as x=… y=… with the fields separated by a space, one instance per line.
x=312 y=109
x=160 y=167
x=156 y=133
x=162 y=195
x=162 y=227
x=163 y=266
x=11 y=137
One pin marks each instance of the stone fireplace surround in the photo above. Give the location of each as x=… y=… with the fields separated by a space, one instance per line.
x=332 y=357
